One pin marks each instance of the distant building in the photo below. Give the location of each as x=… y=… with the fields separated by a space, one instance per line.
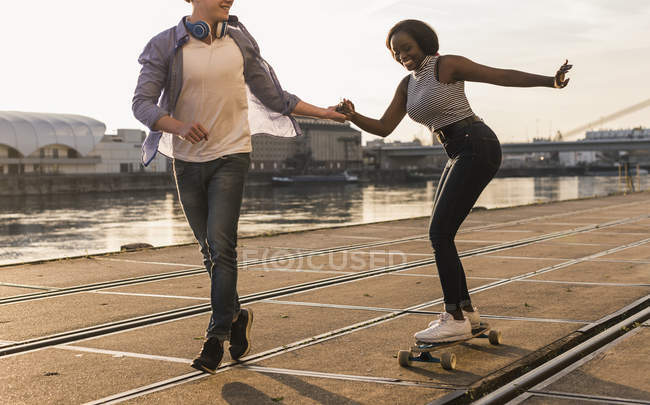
x=590 y=157
x=42 y=143
x=325 y=145
x=576 y=158
x=634 y=133
x=385 y=155
x=121 y=153
x=272 y=153
x=375 y=143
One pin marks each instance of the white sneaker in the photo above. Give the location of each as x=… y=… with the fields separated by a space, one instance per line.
x=474 y=319
x=447 y=329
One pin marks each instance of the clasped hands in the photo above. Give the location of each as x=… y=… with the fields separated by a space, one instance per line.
x=345 y=108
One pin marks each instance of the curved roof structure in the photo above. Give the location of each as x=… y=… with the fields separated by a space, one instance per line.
x=27 y=132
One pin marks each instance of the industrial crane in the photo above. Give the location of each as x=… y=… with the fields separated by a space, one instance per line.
x=562 y=136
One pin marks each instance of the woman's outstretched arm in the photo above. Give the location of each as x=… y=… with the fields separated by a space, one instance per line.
x=388 y=122
x=452 y=68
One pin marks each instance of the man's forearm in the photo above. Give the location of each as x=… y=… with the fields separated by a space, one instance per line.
x=306 y=109
x=169 y=125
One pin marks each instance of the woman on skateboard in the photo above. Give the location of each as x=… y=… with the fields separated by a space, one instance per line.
x=433 y=94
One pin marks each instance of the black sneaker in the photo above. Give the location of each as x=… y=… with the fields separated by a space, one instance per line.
x=210 y=356
x=240 y=342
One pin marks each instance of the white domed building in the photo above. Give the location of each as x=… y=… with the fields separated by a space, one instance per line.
x=44 y=143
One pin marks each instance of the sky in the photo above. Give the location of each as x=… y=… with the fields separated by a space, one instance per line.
x=80 y=56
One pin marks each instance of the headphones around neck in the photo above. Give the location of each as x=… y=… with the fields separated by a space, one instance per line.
x=201 y=30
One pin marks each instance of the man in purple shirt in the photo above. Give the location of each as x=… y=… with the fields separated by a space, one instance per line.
x=216 y=91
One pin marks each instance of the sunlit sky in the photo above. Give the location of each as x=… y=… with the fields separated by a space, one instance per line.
x=80 y=57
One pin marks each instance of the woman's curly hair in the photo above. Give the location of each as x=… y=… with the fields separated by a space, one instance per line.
x=421 y=32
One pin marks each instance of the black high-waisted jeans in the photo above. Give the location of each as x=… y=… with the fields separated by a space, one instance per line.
x=474 y=158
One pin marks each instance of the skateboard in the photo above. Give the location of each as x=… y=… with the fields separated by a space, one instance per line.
x=422 y=351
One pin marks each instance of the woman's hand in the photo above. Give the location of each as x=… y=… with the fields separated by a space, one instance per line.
x=388 y=122
x=346 y=107
x=560 y=83
x=334 y=115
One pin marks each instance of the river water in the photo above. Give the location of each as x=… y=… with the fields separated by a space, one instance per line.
x=55 y=226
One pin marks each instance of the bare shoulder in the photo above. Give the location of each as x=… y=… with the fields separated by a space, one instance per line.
x=404 y=84
x=448 y=65
x=450 y=61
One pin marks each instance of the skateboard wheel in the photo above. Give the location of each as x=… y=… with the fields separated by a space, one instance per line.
x=404 y=358
x=495 y=337
x=448 y=361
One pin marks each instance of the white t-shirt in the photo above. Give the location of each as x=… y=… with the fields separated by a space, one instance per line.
x=214 y=95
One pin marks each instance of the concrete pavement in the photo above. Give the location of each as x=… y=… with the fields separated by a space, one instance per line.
x=337 y=305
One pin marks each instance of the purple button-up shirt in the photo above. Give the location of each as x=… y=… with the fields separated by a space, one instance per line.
x=161 y=79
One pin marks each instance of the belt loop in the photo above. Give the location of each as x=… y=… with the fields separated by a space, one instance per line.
x=456 y=126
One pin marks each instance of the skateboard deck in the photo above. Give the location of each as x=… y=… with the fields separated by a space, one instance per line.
x=421 y=351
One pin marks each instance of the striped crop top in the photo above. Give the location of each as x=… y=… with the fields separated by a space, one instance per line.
x=432 y=103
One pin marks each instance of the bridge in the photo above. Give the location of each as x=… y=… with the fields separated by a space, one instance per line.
x=560 y=143
x=521 y=147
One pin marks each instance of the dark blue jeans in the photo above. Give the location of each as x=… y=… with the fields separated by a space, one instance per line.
x=474 y=158
x=211 y=195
